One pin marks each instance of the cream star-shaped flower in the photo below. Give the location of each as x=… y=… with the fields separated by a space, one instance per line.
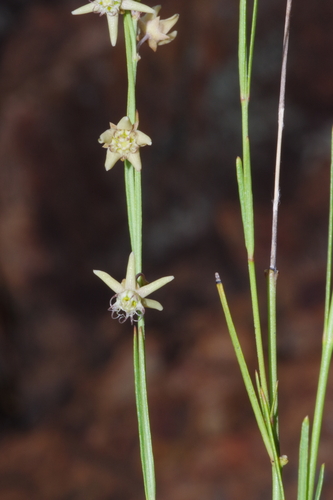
x=130 y=298
x=123 y=142
x=112 y=9
x=155 y=31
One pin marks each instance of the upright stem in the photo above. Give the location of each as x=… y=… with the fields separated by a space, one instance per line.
x=319 y=408
x=327 y=347
x=134 y=210
x=146 y=450
x=272 y=272
x=244 y=175
x=132 y=177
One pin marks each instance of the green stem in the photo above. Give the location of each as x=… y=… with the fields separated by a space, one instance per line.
x=146 y=450
x=131 y=58
x=244 y=175
x=134 y=210
x=327 y=347
x=318 y=415
x=132 y=177
x=272 y=354
x=330 y=244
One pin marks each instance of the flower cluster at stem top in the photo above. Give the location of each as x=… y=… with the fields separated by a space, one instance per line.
x=151 y=28
x=130 y=298
x=112 y=9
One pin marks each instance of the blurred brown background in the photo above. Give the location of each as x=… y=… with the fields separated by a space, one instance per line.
x=67 y=414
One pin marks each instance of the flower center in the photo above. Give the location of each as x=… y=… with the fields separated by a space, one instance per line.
x=126 y=304
x=110 y=7
x=123 y=142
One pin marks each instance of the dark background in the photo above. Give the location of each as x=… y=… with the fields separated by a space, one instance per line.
x=67 y=414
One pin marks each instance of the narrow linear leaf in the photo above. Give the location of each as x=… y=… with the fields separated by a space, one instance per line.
x=259 y=391
x=251 y=49
x=320 y=482
x=274 y=402
x=303 y=460
x=248 y=199
x=329 y=245
x=244 y=370
x=276 y=459
x=240 y=182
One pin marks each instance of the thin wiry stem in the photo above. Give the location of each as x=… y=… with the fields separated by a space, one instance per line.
x=276 y=200
x=272 y=272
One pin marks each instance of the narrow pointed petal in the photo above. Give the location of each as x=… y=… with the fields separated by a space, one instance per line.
x=155 y=285
x=157 y=8
x=111 y=159
x=152 y=44
x=113 y=29
x=130 y=283
x=167 y=24
x=109 y=281
x=85 y=9
x=143 y=139
x=135 y=160
x=169 y=39
x=152 y=304
x=124 y=124
x=131 y=5
x=106 y=137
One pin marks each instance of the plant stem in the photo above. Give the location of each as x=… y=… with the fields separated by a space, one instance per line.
x=244 y=175
x=319 y=408
x=146 y=450
x=134 y=210
x=330 y=244
x=132 y=177
x=272 y=273
x=327 y=347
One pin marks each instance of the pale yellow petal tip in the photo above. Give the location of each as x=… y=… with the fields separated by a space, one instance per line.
x=85 y=9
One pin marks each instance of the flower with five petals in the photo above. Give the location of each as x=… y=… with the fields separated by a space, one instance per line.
x=123 y=142
x=112 y=9
x=130 y=298
x=154 y=30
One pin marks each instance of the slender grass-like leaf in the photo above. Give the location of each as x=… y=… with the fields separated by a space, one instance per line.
x=329 y=245
x=274 y=402
x=303 y=460
x=240 y=182
x=278 y=490
x=259 y=390
x=251 y=49
x=244 y=370
x=320 y=482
